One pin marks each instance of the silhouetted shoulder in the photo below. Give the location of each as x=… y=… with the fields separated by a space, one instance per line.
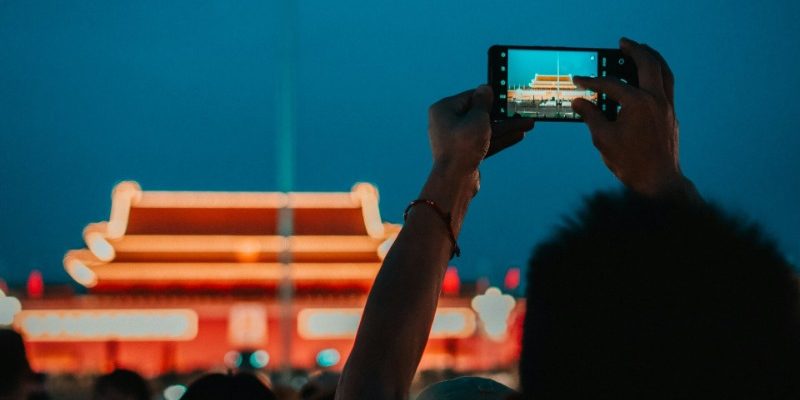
x=655 y=292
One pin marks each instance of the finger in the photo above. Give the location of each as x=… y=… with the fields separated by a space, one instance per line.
x=512 y=125
x=595 y=120
x=666 y=74
x=502 y=141
x=482 y=99
x=457 y=103
x=648 y=66
x=507 y=133
x=613 y=87
x=591 y=114
x=479 y=108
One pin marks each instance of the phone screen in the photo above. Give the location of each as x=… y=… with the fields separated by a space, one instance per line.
x=540 y=82
x=537 y=82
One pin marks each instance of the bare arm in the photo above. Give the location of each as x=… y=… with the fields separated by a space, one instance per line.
x=640 y=148
x=401 y=306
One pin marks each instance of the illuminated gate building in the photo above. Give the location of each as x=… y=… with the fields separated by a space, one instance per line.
x=546 y=87
x=188 y=281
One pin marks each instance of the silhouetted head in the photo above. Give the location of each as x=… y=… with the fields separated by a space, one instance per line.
x=240 y=386
x=37 y=389
x=121 y=384
x=466 y=388
x=635 y=298
x=320 y=386
x=14 y=368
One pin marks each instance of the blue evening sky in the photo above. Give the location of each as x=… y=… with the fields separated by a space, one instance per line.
x=524 y=65
x=183 y=95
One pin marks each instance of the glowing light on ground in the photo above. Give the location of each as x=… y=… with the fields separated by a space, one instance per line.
x=328 y=358
x=174 y=392
x=233 y=359
x=494 y=308
x=259 y=359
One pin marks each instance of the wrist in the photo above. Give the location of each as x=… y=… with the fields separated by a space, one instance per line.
x=674 y=186
x=683 y=189
x=453 y=181
x=453 y=169
x=452 y=190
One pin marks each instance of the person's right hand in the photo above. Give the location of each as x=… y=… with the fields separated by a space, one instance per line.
x=641 y=146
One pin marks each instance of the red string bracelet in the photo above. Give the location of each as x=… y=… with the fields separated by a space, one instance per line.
x=446 y=218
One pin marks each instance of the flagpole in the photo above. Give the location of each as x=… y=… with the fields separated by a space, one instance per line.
x=286 y=103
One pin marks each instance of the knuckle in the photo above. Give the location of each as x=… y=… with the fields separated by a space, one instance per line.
x=647 y=56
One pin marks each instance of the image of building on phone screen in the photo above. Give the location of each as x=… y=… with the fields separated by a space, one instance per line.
x=540 y=82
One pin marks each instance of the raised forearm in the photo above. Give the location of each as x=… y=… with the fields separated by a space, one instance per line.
x=401 y=306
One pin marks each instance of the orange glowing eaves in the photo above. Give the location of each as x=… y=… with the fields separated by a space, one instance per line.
x=105 y=240
x=78 y=264
x=95 y=237
x=231 y=273
x=128 y=194
x=243 y=244
x=86 y=269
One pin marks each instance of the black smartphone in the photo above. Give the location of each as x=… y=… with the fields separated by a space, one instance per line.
x=536 y=81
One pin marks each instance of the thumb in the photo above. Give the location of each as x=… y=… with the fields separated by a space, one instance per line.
x=481 y=100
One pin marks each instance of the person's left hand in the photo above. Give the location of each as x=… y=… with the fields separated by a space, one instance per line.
x=507 y=133
x=461 y=133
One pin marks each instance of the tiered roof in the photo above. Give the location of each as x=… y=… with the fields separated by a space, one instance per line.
x=552 y=82
x=212 y=240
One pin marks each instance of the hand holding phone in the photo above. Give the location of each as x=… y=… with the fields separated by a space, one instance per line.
x=538 y=82
x=641 y=147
